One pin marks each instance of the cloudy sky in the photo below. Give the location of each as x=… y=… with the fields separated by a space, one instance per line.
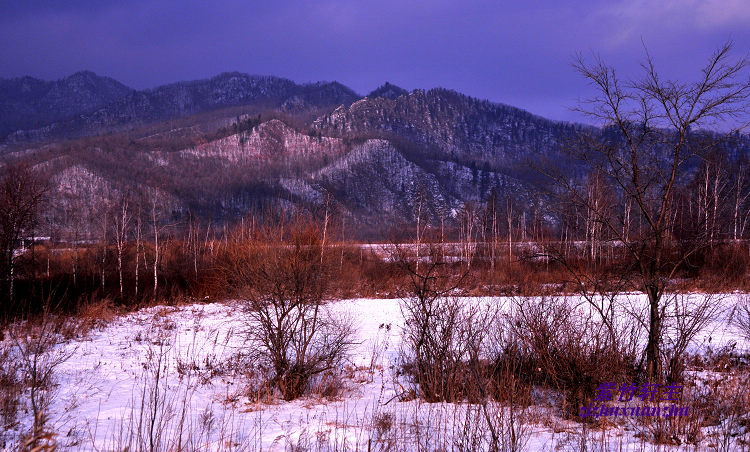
x=513 y=52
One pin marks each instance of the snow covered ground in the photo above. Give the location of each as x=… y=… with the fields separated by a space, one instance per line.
x=175 y=376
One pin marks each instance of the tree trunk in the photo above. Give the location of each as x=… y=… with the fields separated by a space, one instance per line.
x=653 y=359
x=137 y=249
x=156 y=247
x=11 y=276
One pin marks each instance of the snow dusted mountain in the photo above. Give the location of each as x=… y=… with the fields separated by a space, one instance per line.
x=373 y=181
x=271 y=140
x=452 y=125
x=225 y=147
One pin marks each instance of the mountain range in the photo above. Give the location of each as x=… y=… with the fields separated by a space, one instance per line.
x=234 y=145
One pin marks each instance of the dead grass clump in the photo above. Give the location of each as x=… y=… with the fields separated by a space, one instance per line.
x=724 y=359
x=41 y=438
x=382 y=423
x=92 y=314
x=329 y=385
x=98 y=312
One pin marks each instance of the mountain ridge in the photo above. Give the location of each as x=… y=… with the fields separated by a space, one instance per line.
x=29 y=102
x=138 y=107
x=215 y=158
x=129 y=108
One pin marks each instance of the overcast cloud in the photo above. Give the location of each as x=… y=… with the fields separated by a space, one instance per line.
x=517 y=53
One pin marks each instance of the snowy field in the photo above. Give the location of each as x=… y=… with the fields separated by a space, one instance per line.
x=175 y=377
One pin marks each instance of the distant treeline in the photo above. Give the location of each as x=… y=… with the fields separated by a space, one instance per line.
x=142 y=254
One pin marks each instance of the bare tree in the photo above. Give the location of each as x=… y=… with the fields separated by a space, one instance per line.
x=193 y=240
x=156 y=206
x=740 y=195
x=418 y=240
x=491 y=224
x=648 y=140
x=138 y=242
x=711 y=193
x=102 y=221
x=509 y=218
x=22 y=191
x=155 y=223
x=121 y=225
x=468 y=218
x=326 y=217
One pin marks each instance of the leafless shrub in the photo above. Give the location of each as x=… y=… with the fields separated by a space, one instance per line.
x=328 y=385
x=382 y=423
x=95 y=314
x=436 y=347
x=718 y=407
x=677 y=430
x=293 y=336
x=437 y=328
x=492 y=426
x=685 y=317
x=34 y=345
x=566 y=348
x=456 y=351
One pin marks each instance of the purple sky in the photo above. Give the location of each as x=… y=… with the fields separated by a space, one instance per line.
x=513 y=52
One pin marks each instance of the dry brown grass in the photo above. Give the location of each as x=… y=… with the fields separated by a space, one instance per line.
x=11 y=389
